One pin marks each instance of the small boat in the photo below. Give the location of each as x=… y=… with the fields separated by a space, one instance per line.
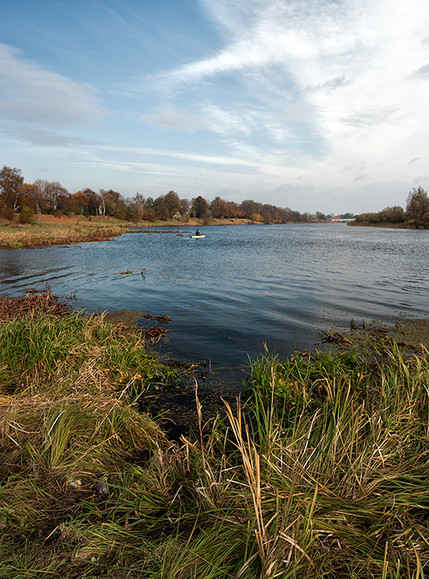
x=197 y=236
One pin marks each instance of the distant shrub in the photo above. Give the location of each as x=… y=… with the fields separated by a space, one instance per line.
x=392 y=215
x=26 y=215
x=368 y=218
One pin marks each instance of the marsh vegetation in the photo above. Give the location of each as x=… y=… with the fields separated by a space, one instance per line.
x=59 y=231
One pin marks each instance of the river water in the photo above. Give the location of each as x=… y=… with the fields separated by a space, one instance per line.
x=241 y=286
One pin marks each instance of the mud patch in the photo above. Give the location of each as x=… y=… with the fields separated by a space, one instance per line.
x=176 y=411
x=410 y=335
x=134 y=319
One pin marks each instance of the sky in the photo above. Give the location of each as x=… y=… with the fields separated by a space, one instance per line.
x=316 y=105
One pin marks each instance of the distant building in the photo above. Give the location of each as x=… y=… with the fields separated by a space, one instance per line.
x=340 y=219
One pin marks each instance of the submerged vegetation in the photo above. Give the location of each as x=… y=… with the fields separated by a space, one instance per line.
x=322 y=472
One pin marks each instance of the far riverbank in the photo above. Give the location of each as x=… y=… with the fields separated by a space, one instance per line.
x=62 y=230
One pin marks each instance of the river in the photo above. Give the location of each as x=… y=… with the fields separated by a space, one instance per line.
x=241 y=286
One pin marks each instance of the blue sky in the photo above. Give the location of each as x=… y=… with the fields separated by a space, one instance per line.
x=313 y=105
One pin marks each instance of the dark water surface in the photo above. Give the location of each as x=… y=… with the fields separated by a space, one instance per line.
x=241 y=286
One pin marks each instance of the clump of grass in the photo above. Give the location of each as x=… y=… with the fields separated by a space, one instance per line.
x=74 y=352
x=343 y=446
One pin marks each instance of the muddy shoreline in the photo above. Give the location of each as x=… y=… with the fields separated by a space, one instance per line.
x=410 y=336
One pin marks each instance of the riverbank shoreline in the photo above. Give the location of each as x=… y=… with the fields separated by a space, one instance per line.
x=321 y=472
x=62 y=230
x=388 y=225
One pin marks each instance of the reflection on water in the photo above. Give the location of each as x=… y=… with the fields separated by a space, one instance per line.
x=241 y=286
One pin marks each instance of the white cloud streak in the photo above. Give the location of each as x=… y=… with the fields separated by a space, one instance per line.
x=31 y=94
x=200 y=158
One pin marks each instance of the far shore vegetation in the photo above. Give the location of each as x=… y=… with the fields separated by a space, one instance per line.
x=415 y=215
x=320 y=471
x=45 y=213
x=47 y=203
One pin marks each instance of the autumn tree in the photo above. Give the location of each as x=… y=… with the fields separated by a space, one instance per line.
x=394 y=214
x=172 y=202
x=149 y=212
x=185 y=207
x=368 y=218
x=233 y=209
x=200 y=208
x=29 y=196
x=79 y=202
x=113 y=203
x=417 y=205
x=11 y=181
x=161 y=209
x=218 y=208
x=251 y=209
x=62 y=199
x=137 y=208
x=26 y=215
x=270 y=213
x=94 y=202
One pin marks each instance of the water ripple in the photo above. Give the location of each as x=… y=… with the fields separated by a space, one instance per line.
x=241 y=286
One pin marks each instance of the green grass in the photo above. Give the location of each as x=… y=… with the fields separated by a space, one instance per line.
x=41 y=354
x=321 y=473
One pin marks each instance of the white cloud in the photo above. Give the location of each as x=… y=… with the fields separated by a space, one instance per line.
x=422 y=72
x=359 y=69
x=31 y=94
x=199 y=157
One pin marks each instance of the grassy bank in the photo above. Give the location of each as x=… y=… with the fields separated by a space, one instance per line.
x=60 y=231
x=51 y=230
x=322 y=473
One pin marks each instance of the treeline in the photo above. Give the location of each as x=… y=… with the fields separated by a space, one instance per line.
x=50 y=197
x=416 y=213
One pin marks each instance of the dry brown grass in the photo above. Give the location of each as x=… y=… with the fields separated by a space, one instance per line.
x=40 y=237
x=31 y=305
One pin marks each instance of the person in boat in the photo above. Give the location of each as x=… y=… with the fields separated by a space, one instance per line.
x=197 y=232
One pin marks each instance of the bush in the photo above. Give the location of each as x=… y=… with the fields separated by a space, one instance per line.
x=26 y=215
